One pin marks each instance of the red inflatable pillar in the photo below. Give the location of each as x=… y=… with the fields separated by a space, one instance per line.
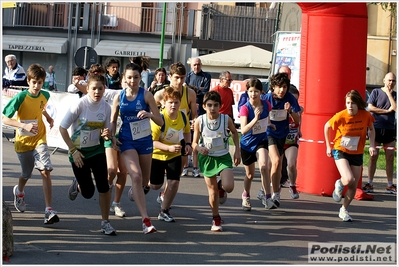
x=333 y=62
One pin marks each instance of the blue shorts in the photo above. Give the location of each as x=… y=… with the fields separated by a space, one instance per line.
x=142 y=146
x=353 y=159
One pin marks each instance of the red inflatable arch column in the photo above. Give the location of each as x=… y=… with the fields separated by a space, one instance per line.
x=333 y=62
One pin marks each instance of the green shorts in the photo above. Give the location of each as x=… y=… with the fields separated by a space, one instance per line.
x=212 y=166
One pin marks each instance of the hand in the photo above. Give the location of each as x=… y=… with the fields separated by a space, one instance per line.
x=257 y=111
x=203 y=150
x=174 y=148
x=372 y=151
x=142 y=114
x=31 y=127
x=287 y=106
x=78 y=158
x=329 y=152
x=188 y=150
x=237 y=157
x=105 y=133
x=51 y=122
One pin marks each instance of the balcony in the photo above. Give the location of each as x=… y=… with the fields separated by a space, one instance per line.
x=212 y=22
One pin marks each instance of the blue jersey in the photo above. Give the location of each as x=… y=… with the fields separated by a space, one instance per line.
x=278 y=116
x=128 y=112
x=257 y=134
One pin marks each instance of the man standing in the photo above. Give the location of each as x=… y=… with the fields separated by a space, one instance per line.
x=14 y=74
x=200 y=80
x=382 y=104
x=223 y=88
x=50 y=83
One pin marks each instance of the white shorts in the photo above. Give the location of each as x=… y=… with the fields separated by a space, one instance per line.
x=39 y=158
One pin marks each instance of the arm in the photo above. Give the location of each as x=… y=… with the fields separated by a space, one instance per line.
x=158 y=97
x=192 y=103
x=200 y=149
x=48 y=118
x=327 y=127
x=29 y=127
x=237 y=153
x=114 y=118
x=372 y=149
x=155 y=115
x=245 y=126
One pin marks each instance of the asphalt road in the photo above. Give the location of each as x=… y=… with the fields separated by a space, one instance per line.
x=259 y=237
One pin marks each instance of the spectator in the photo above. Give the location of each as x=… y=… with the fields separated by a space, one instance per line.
x=50 y=83
x=223 y=88
x=160 y=81
x=14 y=74
x=78 y=81
x=200 y=80
x=382 y=105
x=114 y=79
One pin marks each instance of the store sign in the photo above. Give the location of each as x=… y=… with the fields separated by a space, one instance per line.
x=129 y=53
x=26 y=47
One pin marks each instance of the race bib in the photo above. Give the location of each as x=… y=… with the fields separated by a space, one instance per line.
x=350 y=142
x=173 y=136
x=140 y=129
x=89 y=138
x=278 y=114
x=291 y=138
x=22 y=132
x=260 y=126
x=213 y=143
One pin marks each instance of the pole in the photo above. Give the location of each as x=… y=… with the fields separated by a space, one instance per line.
x=162 y=35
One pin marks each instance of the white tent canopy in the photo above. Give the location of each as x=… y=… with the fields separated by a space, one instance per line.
x=248 y=60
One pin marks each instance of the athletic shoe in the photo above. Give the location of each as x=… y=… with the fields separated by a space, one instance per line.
x=368 y=188
x=196 y=173
x=73 y=190
x=269 y=204
x=391 y=189
x=294 y=193
x=246 y=204
x=344 y=215
x=286 y=184
x=12 y=140
x=107 y=229
x=165 y=216
x=185 y=172
x=337 y=194
x=222 y=192
x=276 y=200
x=130 y=194
x=148 y=228
x=261 y=194
x=19 y=201
x=217 y=224
x=160 y=197
x=117 y=208
x=146 y=189
x=50 y=217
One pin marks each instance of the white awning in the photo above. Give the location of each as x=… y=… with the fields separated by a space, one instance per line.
x=35 y=44
x=131 y=49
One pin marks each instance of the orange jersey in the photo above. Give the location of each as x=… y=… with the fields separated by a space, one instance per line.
x=351 y=131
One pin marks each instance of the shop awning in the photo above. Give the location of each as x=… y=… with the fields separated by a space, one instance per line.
x=35 y=44
x=132 y=49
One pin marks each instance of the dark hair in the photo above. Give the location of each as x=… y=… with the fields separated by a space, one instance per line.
x=170 y=93
x=159 y=70
x=111 y=60
x=279 y=80
x=97 y=78
x=357 y=99
x=214 y=96
x=143 y=62
x=132 y=66
x=254 y=82
x=36 y=71
x=96 y=68
x=79 y=71
x=177 y=68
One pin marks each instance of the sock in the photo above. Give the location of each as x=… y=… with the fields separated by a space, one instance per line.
x=292 y=184
x=268 y=196
x=115 y=203
x=48 y=208
x=245 y=194
x=370 y=182
x=390 y=183
x=276 y=194
x=216 y=216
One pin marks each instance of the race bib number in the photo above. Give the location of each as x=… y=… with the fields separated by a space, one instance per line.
x=173 y=136
x=278 y=114
x=291 y=138
x=260 y=126
x=213 y=143
x=350 y=142
x=89 y=138
x=22 y=132
x=140 y=129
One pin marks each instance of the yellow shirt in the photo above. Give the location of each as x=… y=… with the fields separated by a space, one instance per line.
x=171 y=133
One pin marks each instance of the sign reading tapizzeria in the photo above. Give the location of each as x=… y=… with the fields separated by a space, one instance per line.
x=26 y=47
x=129 y=53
